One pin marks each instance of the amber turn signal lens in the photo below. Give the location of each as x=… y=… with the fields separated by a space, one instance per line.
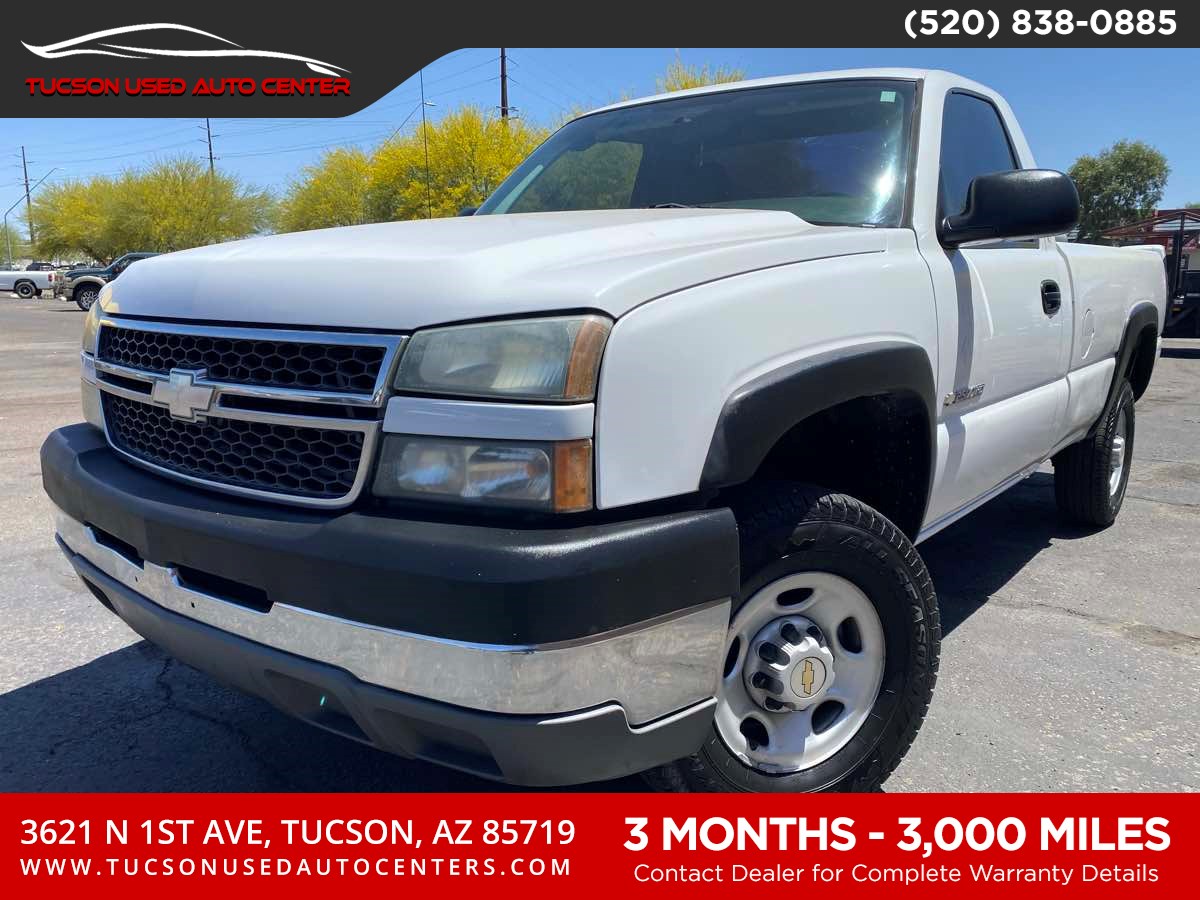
x=572 y=476
x=583 y=368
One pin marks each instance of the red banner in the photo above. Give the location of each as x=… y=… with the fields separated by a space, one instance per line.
x=564 y=845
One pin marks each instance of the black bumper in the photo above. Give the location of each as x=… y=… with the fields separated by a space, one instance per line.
x=463 y=582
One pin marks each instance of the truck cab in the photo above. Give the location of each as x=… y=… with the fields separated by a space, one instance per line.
x=627 y=471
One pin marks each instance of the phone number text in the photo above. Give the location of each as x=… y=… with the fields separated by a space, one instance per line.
x=1041 y=22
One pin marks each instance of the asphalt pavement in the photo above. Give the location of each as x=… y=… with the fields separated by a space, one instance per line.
x=1071 y=659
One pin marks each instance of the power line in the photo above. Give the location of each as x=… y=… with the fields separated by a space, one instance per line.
x=405 y=122
x=393 y=102
x=122 y=155
x=463 y=87
x=553 y=103
x=552 y=72
x=546 y=82
x=269 y=150
x=486 y=62
x=93 y=142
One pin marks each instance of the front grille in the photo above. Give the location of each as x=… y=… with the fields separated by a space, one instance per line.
x=318 y=463
x=343 y=368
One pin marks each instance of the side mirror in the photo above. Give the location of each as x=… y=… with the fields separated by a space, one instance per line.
x=468 y=210
x=1023 y=203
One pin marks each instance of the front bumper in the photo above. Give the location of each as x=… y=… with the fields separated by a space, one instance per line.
x=539 y=656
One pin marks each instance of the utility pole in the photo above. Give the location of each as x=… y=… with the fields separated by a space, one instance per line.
x=425 y=135
x=211 y=161
x=28 y=202
x=503 y=83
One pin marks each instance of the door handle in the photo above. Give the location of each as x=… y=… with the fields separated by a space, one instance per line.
x=1051 y=297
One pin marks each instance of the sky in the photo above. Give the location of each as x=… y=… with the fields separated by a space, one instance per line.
x=1069 y=103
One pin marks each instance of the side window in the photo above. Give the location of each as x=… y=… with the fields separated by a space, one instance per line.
x=974 y=142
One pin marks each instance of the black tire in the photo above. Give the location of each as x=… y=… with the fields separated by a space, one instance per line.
x=25 y=290
x=788 y=528
x=1083 y=471
x=85 y=295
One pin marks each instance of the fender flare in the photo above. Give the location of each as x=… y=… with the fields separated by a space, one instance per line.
x=763 y=410
x=1143 y=317
x=87 y=279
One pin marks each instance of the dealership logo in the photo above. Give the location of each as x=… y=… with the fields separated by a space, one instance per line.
x=129 y=43
x=180 y=394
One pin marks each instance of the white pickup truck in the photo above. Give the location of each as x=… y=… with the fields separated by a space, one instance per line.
x=627 y=470
x=27 y=283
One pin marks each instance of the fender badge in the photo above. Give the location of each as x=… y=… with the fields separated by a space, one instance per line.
x=973 y=392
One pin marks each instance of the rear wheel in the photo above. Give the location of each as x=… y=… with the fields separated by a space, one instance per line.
x=85 y=296
x=831 y=656
x=1090 y=476
x=25 y=289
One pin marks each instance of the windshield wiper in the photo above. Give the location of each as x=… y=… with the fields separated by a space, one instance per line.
x=671 y=204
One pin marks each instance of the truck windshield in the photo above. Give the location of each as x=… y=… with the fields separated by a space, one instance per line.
x=833 y=152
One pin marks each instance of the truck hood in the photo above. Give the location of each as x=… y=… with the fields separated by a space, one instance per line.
x=406 y=275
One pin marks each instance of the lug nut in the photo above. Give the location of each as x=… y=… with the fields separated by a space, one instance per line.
x=769 y=653
x=765 y=682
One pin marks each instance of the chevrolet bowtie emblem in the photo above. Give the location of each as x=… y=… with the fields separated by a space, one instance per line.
x=808 y=676
x=181 y=395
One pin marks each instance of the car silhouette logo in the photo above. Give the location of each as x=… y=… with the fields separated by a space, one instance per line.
x=127 y=43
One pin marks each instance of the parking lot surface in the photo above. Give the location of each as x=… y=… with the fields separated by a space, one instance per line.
x=1071 y=660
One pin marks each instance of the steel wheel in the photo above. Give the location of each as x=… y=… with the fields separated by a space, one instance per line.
x=804 y=663
x=1117 y=458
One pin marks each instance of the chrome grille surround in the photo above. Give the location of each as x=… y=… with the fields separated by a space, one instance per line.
x=297 y=410
x=338 y=367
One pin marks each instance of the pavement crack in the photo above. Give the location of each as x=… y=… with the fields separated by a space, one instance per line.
x=1147 y=635
x=244 y=739
x=1178 y=503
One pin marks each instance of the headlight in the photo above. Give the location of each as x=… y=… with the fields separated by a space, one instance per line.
x=555 y=477
x=531 y=359
x=91 y=326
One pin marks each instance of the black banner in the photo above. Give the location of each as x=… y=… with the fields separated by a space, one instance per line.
x=238 y=60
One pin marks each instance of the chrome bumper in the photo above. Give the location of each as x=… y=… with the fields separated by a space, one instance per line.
x=651 y=670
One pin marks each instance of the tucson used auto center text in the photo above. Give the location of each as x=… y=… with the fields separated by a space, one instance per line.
x=201 y=87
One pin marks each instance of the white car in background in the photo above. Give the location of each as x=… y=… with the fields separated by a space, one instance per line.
x=27 y=284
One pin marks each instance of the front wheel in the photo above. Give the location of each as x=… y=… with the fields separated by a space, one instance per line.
x=86 y=295
x=831 y=655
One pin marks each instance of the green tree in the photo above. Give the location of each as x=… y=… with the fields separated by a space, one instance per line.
x=680 y=76
x=76 y=217
x=329 y=193
x=11 y=238
x=173 y=205
x=469 y=154
x=1118 y=186
x=1195 y=204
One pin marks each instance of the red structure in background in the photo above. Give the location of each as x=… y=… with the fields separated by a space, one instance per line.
x=1178 y=232
x=1172 y=229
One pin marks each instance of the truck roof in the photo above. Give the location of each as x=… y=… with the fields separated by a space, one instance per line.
x=832 y=75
